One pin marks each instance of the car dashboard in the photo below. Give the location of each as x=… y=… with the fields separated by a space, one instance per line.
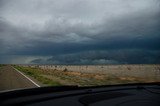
x=114 y=95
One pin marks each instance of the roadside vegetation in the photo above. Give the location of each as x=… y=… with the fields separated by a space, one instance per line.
x=56 y=77
x=36 y=74
x=1 y=65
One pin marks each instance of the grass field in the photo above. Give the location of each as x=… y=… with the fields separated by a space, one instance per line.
x=65 y=77
x=38 y=75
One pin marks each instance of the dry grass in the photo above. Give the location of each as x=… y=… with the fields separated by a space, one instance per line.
x=38 y=75
x=67 y=77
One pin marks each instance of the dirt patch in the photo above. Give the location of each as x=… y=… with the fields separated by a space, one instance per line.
x=74 y=73
x=99 y=77
x=127 y=78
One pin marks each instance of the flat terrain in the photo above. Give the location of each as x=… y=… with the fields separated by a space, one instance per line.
x=11 y=79
x=92 y=75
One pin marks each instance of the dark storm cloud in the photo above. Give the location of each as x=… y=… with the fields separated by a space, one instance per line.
x=124 y=56
x=70 y=28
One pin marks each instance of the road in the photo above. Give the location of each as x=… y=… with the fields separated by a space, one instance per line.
x=12 y=79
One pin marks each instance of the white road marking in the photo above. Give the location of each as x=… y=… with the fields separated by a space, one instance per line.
x=27 y=78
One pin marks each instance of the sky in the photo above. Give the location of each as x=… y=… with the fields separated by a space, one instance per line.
x=79 y=32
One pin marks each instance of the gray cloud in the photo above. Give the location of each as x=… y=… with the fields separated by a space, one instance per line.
x=59 y=28
x=125 y=56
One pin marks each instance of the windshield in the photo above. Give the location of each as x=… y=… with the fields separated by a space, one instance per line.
x=78 y=42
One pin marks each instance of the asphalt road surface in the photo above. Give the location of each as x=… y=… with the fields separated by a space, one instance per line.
x=11 y=79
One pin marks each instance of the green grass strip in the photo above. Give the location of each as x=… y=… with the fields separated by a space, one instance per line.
x=33 y=72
